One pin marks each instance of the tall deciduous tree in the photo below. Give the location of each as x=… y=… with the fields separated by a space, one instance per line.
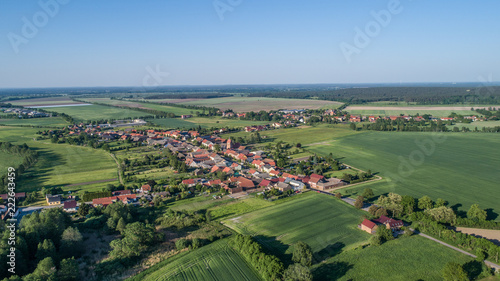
x=476 y=213
x=454 y=272
x=302 y=253
x=425 y=203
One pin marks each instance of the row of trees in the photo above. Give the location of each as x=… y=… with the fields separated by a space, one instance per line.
x=270 y=267
x=29 y=157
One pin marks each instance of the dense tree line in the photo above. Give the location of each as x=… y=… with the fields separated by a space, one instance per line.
x=46 y=245
x=419 y=95
x=29 y=157
x=189 y=96
x=269 y=266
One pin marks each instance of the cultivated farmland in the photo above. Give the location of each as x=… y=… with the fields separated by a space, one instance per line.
x=98 y=112
x=387 y=110
x=461 y=168
x=413 y=258
x=245 y=104
x=322 y=221
x=44 y=102
x=217 y=261
x=133 y=104
x=44 y=122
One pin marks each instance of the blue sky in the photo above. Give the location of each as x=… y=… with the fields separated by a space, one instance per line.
x=115 y=42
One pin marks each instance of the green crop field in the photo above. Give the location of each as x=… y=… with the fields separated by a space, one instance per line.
x=172 y=123
x=43 y=122
x=462 y=168
x=304 y=134
x=322 y=221
x=97 y=112
x=413 y=258
x=216 y=261
x=135 y=104
x=245 y=104
x=61 y=164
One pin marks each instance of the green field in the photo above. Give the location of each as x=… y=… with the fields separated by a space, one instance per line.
x=133 y=104
x=479 y=125
x=462 y=169
x=413 y=258
x=217 y=261
x=304 y=134
x=322 y=221
x=9 y=160
x=44 y=122
x=97 y=112
x=245 y=104
x=172 y=123
x=61 y=164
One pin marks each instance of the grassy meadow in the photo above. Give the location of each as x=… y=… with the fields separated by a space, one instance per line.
x=97 y=112
x=43 y=101
x=413 y=258
x=9 y=160
x=61 y=164
x=326 y=224
x=216 y=261
x=40 y=122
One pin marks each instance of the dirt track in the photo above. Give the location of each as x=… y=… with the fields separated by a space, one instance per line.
x=492 y=235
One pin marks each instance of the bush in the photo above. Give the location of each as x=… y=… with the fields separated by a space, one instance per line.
x=181 y=244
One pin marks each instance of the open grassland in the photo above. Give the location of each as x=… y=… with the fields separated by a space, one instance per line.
x=478 y=124
x=172 y=123
x=61 y=164
x=306 y=135
x=42 y=122
x=40 y=102
x=98 y=112
x=239 y=207
x=199 y=203
x=461 y=168
x=413 y=258
x=245 y=104
x=322 y=221
x=135 y=104
x=217 y=261
x=9 y=160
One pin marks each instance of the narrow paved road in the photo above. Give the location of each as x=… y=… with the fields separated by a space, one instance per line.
x=493 y=265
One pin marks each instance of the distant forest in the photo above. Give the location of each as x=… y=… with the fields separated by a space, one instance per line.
x=426 y=93
x=419 y=95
